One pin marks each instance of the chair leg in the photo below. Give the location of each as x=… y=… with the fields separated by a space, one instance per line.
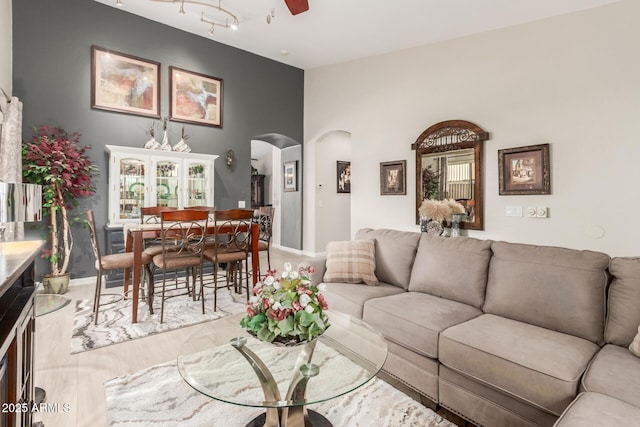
x=96 y=300
x=150 y=282
x=215 y=286
x=269 y=257
x=202 y=287
x=164 y=282
x=246 y=267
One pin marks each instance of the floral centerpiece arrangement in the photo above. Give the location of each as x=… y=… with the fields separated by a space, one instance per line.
x=288 y=309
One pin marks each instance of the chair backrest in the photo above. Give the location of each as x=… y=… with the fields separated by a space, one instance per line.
x=210 y=209
x=151 y=214
x=233 y=229
x=93 y=237
x=265 y=222
x=183 y=231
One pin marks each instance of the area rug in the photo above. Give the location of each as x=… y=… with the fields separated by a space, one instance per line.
x=114 y=322
x=158 y=396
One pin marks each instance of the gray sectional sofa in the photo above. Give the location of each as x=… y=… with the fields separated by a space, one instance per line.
x=504 y=334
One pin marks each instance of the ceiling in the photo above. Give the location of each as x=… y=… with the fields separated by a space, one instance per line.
x=334 y=31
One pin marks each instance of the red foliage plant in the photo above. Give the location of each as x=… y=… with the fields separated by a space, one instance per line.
x=55 y=160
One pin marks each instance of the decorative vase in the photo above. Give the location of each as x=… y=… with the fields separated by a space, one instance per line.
x=55 y=284
x=431 y=226
x=456 y=219
x=290 y=341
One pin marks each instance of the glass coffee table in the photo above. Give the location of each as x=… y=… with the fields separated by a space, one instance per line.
x=231 y=366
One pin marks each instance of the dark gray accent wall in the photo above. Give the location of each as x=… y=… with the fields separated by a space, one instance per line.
x=51 y=75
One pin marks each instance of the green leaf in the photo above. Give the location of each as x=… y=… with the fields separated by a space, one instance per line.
x=286 y=325
x=256 y=321
x=265 y=334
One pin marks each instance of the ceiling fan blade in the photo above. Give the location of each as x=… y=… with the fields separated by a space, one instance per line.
x=297 y=6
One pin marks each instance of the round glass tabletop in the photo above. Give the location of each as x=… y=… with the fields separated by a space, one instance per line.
x=48 y=303
x=229 y=365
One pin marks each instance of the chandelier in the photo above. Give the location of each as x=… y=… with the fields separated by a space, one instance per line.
x=230 y=21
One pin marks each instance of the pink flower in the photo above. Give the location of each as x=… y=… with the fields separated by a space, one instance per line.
x=322 y=301
x=296 y=306
x=250 y=311
x=311 y=269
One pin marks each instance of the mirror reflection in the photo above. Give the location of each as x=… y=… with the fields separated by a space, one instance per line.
x=450 y=175
x=448 y=166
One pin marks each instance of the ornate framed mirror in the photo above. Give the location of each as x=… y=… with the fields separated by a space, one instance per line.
x=449 y=166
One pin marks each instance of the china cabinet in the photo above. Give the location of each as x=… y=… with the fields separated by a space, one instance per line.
x=257 y=191
x=140 y=177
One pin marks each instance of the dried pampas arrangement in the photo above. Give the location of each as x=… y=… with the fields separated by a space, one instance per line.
x=439 y=210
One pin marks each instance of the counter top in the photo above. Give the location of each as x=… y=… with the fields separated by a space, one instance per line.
x=15 y=257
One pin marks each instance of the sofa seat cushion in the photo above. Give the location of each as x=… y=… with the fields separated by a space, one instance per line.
x=395 y=252
x=415 y=320
x=537 y=365
x=614 y=372
x=349 y=298
x=595 y=409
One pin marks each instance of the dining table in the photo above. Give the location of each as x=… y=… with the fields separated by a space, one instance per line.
x=136 y=233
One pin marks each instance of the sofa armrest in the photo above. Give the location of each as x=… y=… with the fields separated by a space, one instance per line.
x=320 y=266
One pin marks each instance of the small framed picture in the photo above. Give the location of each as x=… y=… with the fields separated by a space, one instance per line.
x=343 y=177
x=124 y=83
x=195 y=98
x=524 y=170
x=393 y=179
x=290 y=175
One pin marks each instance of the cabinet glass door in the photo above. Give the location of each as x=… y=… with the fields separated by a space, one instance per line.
x=167 y=183
x=197 y=191
x=132 y=188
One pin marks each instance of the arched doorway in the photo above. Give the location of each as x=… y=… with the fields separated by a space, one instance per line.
x=269 y=152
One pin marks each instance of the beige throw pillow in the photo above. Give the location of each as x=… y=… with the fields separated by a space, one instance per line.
x=351 y=262
x=635 y=344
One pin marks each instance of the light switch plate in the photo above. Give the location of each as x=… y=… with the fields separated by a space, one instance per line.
x=513 y=211
x=241 y=204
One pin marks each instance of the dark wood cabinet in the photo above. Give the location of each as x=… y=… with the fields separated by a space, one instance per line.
x=257 y=191
x=17 y=327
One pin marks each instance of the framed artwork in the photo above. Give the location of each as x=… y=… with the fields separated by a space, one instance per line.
x=195 y=98
x=524 y=170
x=290 y=175
x=393 y=179
x=343 y=177
x=124 y=83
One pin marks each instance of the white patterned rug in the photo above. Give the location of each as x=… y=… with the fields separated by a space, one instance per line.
x=158 y=396
x=114 y=321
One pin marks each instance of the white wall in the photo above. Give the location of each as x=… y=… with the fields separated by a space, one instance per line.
x=333 y=209
x=6 y=43
x=571 y=81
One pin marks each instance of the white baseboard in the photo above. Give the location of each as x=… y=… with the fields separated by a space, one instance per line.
x=298 y=251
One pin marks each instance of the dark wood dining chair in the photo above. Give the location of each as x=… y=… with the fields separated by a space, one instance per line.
x=104 y=263
x=182 y=237
x=151 y=240
x=232 y=234
x=265 y=232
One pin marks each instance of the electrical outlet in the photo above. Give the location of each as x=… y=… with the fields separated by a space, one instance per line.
x=531 y=212
x=241 y=204
x=541 y=212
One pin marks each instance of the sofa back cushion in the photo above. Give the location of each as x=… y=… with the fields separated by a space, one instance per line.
x=623 y=316
x=395 y=252
x=455 y=269
x=554 y=288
